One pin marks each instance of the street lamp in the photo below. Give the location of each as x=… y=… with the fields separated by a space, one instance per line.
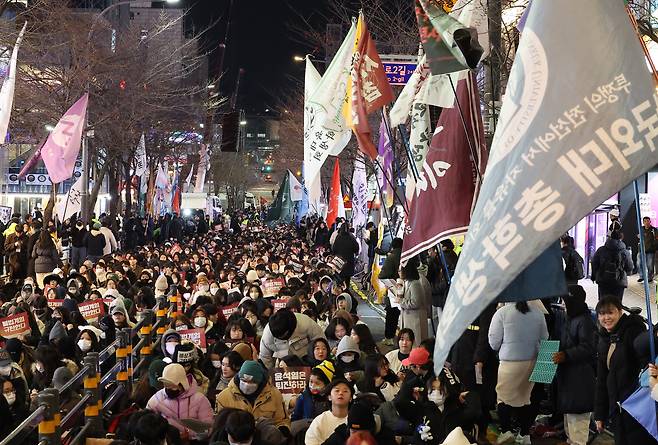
x=298 y=58
x=243 y=123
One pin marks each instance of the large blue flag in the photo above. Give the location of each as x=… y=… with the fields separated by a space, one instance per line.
x=579 y=122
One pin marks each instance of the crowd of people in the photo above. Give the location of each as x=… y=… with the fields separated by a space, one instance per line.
x=279 y=300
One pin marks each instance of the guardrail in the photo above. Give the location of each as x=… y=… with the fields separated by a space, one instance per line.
x=48 y=415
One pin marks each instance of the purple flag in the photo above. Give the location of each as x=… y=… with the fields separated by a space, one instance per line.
x=63 y=145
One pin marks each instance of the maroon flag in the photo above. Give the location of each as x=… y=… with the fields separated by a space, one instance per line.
x=370 y=89
x=32 y=162
x=444 y=197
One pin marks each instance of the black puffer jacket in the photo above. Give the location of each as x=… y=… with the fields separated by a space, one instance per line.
x=617 y=382
x=613 y=251
x=576 y=378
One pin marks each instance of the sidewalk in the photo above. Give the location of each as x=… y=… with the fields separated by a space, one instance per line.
x=633 y=297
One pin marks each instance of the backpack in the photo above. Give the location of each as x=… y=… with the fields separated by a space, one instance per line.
x=612 y=269
x=574 y=268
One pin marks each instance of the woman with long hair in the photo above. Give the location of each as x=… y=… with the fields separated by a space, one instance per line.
x=363 y=337
x=379 y=378
x=45 y=255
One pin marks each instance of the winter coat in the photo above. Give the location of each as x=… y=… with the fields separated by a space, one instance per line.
x=321 y=237
x=110 y=241
x=606 y=253
x=45 y=260
x=191 y=404
x=618 y=381
x=309 y=406
x=414 y=309
x=441 y=423
x=382 y=435
x=576 y=378
x=437 y=276
x=346 y=247
x=272 y=348
x=391 y=265
x=78 y=237
x=650 y=239
x=95 y=243
x=269 y=403
x=516 y=336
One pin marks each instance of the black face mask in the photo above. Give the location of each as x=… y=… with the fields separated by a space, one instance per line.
x=172 y=393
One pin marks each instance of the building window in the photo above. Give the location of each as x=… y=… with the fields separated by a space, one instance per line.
x=250 y=135
x=261 y=135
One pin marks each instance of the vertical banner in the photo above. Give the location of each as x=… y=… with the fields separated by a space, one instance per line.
x=204 y=161
x=564 y=144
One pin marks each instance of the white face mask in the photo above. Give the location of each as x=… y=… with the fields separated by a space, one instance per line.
x=5 y=370
x=171 y=348
x=347 y=358
x=437 y=397
x=11 y=397
x=200 y=322
x=216 y=364
x=39 y=367
x=248 y=388
x=84 y=345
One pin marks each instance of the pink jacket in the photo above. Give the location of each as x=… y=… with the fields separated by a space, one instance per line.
x=192 y=404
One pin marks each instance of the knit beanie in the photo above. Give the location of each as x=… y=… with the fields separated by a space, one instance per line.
x=185 y=353
x=252 y=371
x=283 y=324
x=61 y=376
x=327 y=369
x=161 y=283
x=155 y=372
x=360 y=417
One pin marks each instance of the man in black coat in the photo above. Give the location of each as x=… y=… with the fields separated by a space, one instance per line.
x=346 y=247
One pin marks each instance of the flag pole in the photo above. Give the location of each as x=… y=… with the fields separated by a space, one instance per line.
x=405 y=140
x=395 y=193
x=643 y=270
x=476 y=159
x=381 y=200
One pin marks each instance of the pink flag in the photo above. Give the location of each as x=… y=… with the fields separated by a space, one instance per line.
x=63 y=145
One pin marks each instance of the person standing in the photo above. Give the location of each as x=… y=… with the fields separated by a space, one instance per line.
x=650 y=246
x=576 y=378
x=618 y=367
x=95 y=243
x=573 y=262
x=389 y=271
x=346 y=247
x=46 y=257
x=516 y=331
x=78 y=244
x=412 y=299
x=110 y=240
x=611 y=265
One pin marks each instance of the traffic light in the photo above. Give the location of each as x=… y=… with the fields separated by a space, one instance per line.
x=230 y=131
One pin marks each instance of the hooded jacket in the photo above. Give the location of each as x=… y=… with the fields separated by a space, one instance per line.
x=163 y=342
x=191 y=404
x=269 y=403
x=95 y=243
x=305 y=332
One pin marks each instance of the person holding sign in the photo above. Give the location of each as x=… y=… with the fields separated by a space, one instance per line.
x=251 y=391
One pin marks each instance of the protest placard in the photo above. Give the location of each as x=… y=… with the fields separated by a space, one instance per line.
x=54 y=303
x=228 y=310
x=15 y=325
x=92 y=310
x=272 y=287
x=225 y=285
x=290 y=381
x=279 y=304
x=196 y=336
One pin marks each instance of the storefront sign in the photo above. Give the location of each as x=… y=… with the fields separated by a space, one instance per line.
x=398 y=73
x=15 y=325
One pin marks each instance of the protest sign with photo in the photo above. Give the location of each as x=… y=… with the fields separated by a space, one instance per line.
x=196 y=336
x=272 y=287
x=92 y=310
x=15 y=325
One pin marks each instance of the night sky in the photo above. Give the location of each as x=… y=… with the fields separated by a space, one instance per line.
x=260 y=41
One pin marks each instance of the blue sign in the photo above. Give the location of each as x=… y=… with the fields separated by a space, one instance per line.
x=399 y=73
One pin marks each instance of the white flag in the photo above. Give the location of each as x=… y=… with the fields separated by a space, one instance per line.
x=71 y=203
x=140 y=157
x=7 y=91
x=326 y=132
x=360 y=197
x=188 y=180
x=296 y=190
x=201 y=171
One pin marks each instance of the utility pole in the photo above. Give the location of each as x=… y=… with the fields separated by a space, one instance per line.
x=493 y=69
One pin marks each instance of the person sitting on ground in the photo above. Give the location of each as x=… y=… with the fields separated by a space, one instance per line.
x=181 y=399
x=323 y=426
x=313 y=401
x=405 y=342
x=360 y=418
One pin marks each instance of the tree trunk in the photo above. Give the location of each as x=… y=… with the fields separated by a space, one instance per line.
x=129 y=204
x=93 y=196
x=113 y=183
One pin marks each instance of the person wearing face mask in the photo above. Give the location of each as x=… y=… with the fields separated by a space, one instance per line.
x=78 y=244
x=187 y=355
x=180 y=399
x=86 y=341
x=202 y=288
x=225 y=366
x=17 y=411
x=348 y=360
x=170 y=339
x=251 y=391
x=11 y=371
x=313 y=401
